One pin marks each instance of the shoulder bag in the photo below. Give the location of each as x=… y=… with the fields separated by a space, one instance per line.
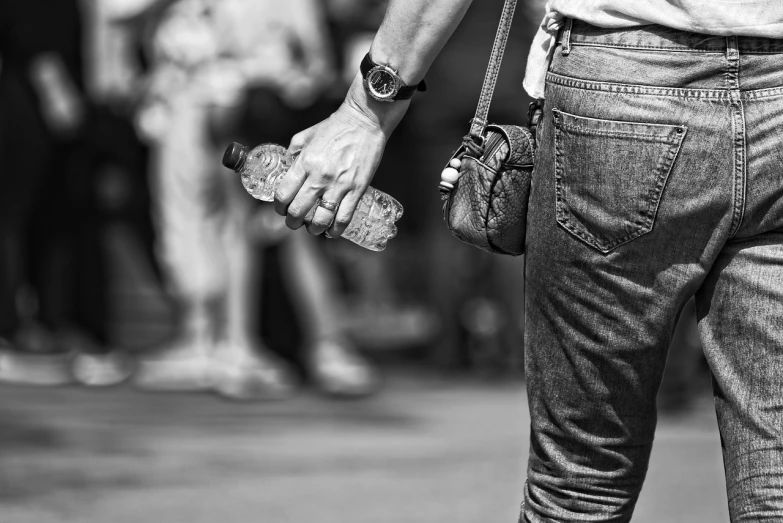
x=487 y=206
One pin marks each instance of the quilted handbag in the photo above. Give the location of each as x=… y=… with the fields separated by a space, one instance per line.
x=487 y=205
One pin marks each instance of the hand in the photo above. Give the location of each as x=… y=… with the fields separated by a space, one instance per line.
x=336 y=161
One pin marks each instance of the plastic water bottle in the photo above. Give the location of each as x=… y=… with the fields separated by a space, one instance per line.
x=262 y=168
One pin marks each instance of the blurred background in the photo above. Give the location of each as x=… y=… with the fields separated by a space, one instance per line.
x=170 y=352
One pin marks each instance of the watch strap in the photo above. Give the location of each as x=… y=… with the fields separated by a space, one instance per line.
x=404 y=93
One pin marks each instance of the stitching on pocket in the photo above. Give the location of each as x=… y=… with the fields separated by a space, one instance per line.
x=667 y=137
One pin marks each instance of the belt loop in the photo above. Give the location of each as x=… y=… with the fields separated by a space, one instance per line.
x=732 y=48
x=566 y=38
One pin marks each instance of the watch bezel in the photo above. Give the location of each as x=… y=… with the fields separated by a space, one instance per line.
x=386 y=70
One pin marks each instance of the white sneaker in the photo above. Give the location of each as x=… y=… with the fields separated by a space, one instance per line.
x=33 y=357
x=180 y=366
x=339 y=370
x=28 y=368
x=92 y=366
x=102 y=370
x=248 y=371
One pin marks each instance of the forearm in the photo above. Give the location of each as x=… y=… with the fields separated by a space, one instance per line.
x=412 y=34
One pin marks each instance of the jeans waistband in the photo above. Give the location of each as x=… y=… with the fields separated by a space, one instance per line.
x=661 y=38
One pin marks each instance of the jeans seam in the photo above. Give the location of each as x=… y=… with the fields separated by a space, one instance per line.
x=738 y=131
x=577 y=43
x=662 y=92
x=641 y=136
x=740 y=166
x=761 y=94
x=583 y=43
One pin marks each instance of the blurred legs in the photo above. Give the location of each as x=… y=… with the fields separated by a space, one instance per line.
x=331 y=360
x=205 y=253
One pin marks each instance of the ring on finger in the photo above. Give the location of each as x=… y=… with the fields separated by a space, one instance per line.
x=328 y=204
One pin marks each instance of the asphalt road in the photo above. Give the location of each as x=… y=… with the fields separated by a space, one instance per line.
x=426 y=450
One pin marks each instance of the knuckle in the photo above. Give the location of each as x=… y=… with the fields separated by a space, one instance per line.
x=298 y=139
x=311 y=164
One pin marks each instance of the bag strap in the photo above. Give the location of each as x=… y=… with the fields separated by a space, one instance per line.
x=479 y=122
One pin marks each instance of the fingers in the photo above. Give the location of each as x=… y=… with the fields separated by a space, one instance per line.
x=289 y=187
x=302 y=205
x=296 y=175
x=324 y=215
x=344 y=213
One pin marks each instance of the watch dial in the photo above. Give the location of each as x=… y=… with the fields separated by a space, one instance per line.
x=382 y=83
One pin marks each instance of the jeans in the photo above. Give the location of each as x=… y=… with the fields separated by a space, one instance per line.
x=659 y=176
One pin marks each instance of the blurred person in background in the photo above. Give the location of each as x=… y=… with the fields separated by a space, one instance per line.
x=53 y=289
x=204 y=57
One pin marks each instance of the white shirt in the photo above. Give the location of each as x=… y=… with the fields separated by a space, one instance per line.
x=762 y=18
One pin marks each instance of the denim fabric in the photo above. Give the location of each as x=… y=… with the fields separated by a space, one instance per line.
x=659 y=176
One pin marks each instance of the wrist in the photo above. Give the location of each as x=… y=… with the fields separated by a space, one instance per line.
x=383 y=116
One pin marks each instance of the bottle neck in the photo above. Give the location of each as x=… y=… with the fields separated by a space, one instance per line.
x=241 y=161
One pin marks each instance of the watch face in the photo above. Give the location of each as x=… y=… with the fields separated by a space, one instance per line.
x=382 y=84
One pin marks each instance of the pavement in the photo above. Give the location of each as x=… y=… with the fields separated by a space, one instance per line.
x=427 y=449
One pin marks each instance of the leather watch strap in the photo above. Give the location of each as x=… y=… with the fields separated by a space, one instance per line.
x=479 y=122
x=406 y=92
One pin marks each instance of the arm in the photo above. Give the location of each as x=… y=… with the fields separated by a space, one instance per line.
x=338 y=157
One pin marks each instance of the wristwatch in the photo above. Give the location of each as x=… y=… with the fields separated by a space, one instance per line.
x=384 y=84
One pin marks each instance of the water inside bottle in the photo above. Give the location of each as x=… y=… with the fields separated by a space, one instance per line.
x=372 y=225
x=263 y=170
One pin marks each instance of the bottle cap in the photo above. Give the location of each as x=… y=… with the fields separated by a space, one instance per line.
x=235 y=156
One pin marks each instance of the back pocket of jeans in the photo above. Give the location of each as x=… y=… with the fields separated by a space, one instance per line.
x=610 y=176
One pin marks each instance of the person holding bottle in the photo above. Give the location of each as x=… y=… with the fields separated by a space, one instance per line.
x=657 y=178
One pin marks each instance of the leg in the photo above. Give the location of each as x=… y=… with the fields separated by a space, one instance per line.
x=740 y=308
x=602 y=300
x=312 y=287
x=26 y=152
x=333 y=363
x=208 y=260
x=249 y=369
x=188 y=216
x=595 y=354
x=28 y=354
